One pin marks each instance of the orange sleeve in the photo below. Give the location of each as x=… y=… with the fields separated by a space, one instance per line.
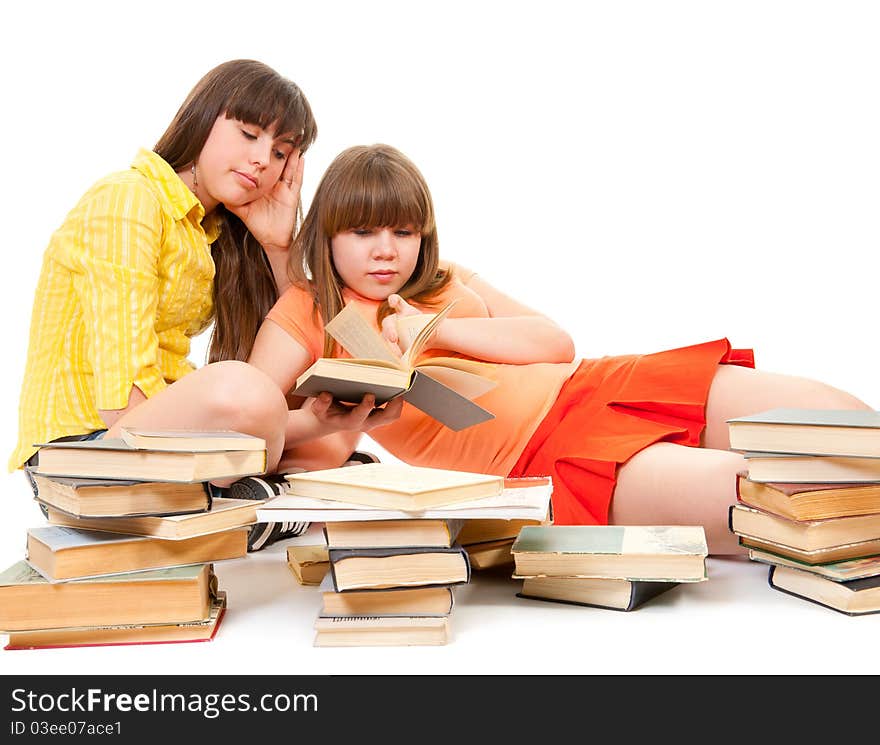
x=295 y=313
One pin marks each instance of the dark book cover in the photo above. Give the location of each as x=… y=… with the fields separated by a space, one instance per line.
x=640 y=593
x=340 y=554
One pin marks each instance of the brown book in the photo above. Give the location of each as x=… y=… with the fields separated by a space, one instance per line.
x=309 y=564
x=381 y=631
x=225 y=513
x=28 y=601
x=394 y=485
x=614 y=594
x=662 y=553
x=854 y=597
x=483 y=530
x=809 y=501
x=811 y=469
x=440 y=387
x=384 y=568
x=859 y=550
x=190 y=440
x=104 y=636
x=408 y=601
x=112 y=458
x=490 y=554
x=808 y=431
x=804 y=535
x=85 y=497
x=61 y=553
x=391 y=533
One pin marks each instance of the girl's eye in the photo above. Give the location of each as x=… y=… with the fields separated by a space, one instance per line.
x=403 y=232
x=248 y=135
x=362 y=231
x=280 y=155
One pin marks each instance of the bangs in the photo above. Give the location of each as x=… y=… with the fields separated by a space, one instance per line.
x=376 y=193
x=273 y=103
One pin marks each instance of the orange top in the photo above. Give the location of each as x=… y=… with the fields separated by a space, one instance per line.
x=519 y=401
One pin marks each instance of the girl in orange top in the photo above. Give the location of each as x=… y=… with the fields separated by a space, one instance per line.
x=634 y=439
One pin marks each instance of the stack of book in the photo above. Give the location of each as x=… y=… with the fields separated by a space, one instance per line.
x=808 y=503
x=619 y=567
x=393 y=544
x=128 y=554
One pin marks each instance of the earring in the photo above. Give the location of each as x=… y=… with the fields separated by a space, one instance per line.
x=195 y=178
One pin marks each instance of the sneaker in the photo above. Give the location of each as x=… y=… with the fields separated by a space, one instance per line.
x=270 y=485
x=265 y=487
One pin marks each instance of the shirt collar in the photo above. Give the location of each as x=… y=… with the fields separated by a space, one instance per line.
x=180 y=199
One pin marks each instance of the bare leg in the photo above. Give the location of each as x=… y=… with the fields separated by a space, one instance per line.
x=737 y=391
x=223 y=395
x=668 y=484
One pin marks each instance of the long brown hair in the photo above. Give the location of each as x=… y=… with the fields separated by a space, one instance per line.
x=244 y=287
x=367 y=186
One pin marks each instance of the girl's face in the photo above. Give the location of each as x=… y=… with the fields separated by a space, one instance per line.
x=376 y=262
x=240 y=163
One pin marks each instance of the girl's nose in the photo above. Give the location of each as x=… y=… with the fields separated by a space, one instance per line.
x=384 y=246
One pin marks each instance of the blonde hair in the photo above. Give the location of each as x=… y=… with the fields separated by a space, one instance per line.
x=252 y=92
x=366 y=186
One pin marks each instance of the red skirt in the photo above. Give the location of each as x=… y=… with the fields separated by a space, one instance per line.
x=609 y=410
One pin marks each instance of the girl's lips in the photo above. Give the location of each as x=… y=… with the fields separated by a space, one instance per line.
x=383 y=276
x=248 y=181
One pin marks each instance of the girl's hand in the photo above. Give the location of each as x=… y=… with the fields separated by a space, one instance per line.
x=389 y=323
x=272 y=217
x=337 y=417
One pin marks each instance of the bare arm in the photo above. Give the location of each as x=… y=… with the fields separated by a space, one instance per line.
x=320 y=428
x=514 y=333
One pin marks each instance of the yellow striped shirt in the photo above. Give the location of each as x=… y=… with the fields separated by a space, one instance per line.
x=125 y=283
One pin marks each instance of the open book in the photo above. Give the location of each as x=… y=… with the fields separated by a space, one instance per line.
x=442 y=387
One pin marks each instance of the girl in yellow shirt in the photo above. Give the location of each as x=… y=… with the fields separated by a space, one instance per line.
x=197 y=230
x=631 y=439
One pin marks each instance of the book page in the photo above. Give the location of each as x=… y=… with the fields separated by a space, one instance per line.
x=358 y=338
x=467 y=384
x=421 y=339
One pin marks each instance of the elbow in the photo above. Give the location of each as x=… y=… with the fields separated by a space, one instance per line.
x=562 y=347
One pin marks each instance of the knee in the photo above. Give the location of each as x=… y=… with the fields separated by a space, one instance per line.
x=824 y=396
x=243 y=394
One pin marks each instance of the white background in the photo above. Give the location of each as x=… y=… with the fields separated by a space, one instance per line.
x=648 y=174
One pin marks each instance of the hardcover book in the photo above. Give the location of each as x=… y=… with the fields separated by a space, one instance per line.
x=860 y=550
x=112 y=458
x=384 y=568
x=108 y=636
x=657 y=553
x=60 y=553
x=805 y=535
x=613 y=594
x=190 y=440
x=531 y=502
x=811 y=469
x=440 y=387
x=391 y=533
x=99 y=498
x=854 y=597
x=225 y=513
x=28 y=601
x=404 y=601
x=309 y=564
x=490 y=554
x=808 y=431
x=809 y=501
x=837 y=571
x=394 y=485
x=381 y=631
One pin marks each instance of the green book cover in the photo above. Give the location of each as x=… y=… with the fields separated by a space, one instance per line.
x=21 y=573
x=612 y=539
